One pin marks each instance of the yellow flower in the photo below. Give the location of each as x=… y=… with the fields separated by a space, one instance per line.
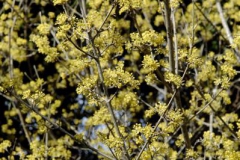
x=51 y=14
x=26 y=94
x=44 y=28
x=59 y=2
x=149 y=64
x=4 y=145
x=61 y=19
x=172 y=78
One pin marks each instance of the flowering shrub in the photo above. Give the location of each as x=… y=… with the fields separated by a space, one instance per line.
x=119 y=79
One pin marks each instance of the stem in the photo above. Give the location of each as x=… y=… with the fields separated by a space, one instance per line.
x=209 y=103
x=110 y=108
x=211 y=129
x=177 y=99
x=23 y=124
x=175 y=41
x=225 y=26
x=108 y=14
x=224 y=23
x=148 y=20
x=136 y=23
x=169 y=29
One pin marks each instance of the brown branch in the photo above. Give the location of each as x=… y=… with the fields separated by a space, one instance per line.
x=134 y=17
x=177 y=99
x=206 y=105
x=225 y=26
x=175 y=40
x=169 y=29
x=22 y=123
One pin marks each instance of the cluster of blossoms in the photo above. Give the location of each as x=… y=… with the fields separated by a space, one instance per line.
x=119 y=79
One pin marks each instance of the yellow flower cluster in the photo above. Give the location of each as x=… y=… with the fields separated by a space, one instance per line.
x=194 y=58
x=44 y=28
x=192 y=154
x=100 y=116
x=110 y=42
x=212 y=144
x=61 y=19
x=126 y=100
x=139 y=131
x=119 y=78
x=150 y=37
x=149 y=64
x=175 y=3
x=59 y=2
x=87 y=85
x=173 y=78
x=4 y=145
x=208 y=71
x=44 y=47
x=129 y=4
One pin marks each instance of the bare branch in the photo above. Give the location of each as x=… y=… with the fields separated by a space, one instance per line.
x=225 y=26
x=169 y=29
x=177 y=99
x=22 y=123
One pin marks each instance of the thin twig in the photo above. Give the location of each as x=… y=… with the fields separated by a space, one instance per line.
x=22 y=123
x=80 y=49
x=10 y=44
x=169 y=29
x=209 y=21
x=206 y=105
x=156 y=125
x=175 y=40
x=36 y=71
x=134 y=17
x=224 y=22
x=107 y=16
x=211 y=130
x=74 y=11
x=168 y=106
x=13 y=9
x=225 y=26
x=46 y=137
x=160 y=90
x=233 y=133
x=56 y=39
x=148 y=20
